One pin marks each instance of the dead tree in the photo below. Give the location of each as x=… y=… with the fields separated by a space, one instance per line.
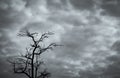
x=30 y=62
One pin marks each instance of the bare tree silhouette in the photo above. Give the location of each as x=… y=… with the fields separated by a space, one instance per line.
x=30 y=62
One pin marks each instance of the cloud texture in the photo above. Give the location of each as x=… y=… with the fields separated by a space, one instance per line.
x=88 y=29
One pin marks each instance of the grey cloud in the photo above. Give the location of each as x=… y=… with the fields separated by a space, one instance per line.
x=10 y=14
x=31 y=3
x=89 y=74
x=41 y=26
x=67 y=20
x=111 y=7
x=112 y=70
x=57 y=4
x=4 y=42
x=116 y=46
x=74 y=42
x=5 y=70
x=75 y=38
x=82 y=4
x=58 y=70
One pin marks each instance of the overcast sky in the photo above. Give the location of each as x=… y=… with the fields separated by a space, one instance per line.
x=88 y=29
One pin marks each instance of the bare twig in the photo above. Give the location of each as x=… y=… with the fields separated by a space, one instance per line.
x=29 y=63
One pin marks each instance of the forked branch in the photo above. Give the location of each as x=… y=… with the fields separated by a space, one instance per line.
x=29 y=63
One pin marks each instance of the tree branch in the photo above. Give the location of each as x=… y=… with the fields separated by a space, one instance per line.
x=27 y=64
x=44 y=74
x=19 y=70
x=45 y=35
x=49 y=47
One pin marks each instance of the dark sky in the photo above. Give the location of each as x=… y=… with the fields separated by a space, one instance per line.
x=88 y=29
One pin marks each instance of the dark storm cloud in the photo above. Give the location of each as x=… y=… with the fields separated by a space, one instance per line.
x=12 y=17
x=113 y=70
x=91 y=73
x=112 y=7
x=56 y=4
x=10 y=13
x=82 y=4
x=116 y=46
x=76 y=4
